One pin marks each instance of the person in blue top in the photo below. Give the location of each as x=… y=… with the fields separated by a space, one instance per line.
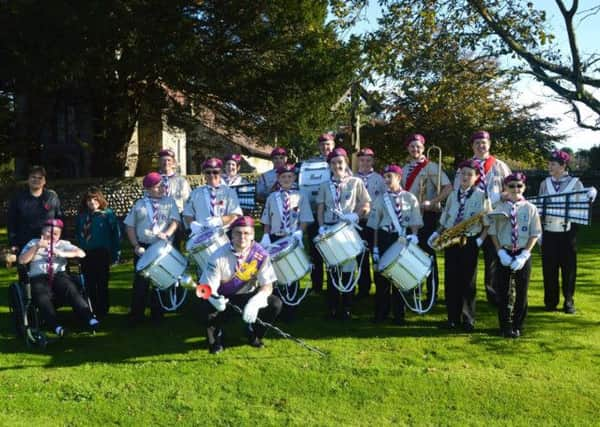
x=98 y=234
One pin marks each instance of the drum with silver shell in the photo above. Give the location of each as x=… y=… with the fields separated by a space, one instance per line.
x=201 y=246
x=162 y=264
x=340 y=243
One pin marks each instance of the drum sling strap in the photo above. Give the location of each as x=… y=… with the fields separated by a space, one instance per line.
x=387 y=201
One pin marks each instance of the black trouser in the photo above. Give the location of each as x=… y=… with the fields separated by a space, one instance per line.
x=95 y=268
x=140 y=292
x=491 y=263
x=430 y=222
x=316 y=275
x=559 y=251
x=386 y=294
x=364 y=281
x=62 y=291
x=215 y=319
x=512 y=318
x=460 y=281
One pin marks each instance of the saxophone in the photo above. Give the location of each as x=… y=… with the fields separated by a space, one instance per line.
x=457 y=235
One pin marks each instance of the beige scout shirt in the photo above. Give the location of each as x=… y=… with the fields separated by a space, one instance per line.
x=427 y=177
x=352 y=195
x=140 y=217
x=39 y=263
x=566 y=184
x=528 y=223
x=222 y=267
x=380 y=218
x=474 y=204
x=226 y=203
x=178 y=188
x=563 y=182
x=374 y=183
x=299 y=212
x=494 y=180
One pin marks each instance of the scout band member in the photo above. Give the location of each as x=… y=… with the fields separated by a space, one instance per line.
x=492 y=171
x=375 y=186
x=420 y=177
x=267 y=182
x=558 y=241
x=50 y=284
x=514 y=229
x=344 y=198
x=241 y=273
x=393 y=211
x=98 y=233
x=326 y=146
x=212 y=205
x=152 y=218
x=232 y=164
x=175 y=186
x=30 y=208
x=460 y=262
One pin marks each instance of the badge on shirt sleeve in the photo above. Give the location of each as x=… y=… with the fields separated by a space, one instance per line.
x=524 y=228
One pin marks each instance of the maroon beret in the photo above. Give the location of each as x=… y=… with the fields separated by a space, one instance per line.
x=243 y=221
x=560 y=156
x=166 y=152
x=480 y=134
x=54 y=223
x=212 y=163
x=470 y=163
x=278 y=151
x=365 y=152
x=151 y=179
x=516 y=176
x=327 y=136
x=234 y=157
x=393 y=169
x=336 y=152
x=414 y=137
x=286 y=168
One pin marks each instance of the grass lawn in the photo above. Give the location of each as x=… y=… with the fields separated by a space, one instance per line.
x=416 y=374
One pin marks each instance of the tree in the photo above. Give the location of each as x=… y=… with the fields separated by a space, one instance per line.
x=493 y=28
x=271 y=68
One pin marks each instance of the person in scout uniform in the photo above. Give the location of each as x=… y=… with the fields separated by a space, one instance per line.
x=420 y=176
x=344 y=198
x=175 y=186
x=213 y=205
x=392 y=213
x=232 y=163
x=375 y=186
x=152 y=218
x=240 y=273
x=558 y=242
x=514 y=230
x=50 y=283
x=267 y=182
x=99 y=235
x=460 y=262
x=492 y=172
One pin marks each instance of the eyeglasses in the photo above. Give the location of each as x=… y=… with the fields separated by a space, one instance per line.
x=516 y=186
x=212 y=172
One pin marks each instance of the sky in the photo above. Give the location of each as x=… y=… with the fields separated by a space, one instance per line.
x=587 y=31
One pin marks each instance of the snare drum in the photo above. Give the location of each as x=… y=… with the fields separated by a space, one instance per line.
x=289 y=260
x=405 y=266
x=310 y=177
x=162 y=264
x=203 y=245
x=340 y=243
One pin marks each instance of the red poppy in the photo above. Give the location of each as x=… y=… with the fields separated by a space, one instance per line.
x=203 y=291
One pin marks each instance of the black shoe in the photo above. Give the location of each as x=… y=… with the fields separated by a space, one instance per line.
x=215 y=348
x=60 y=331
x=509 y=333
x=517 y=333
x=346 y=315
x=256 y=342
x=549 y=308
x=331 y=315
x=569 y=308
x=468 y=327
x=449 y=325
x=398 y=321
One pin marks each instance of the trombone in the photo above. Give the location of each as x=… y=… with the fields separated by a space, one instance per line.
x=438 y=181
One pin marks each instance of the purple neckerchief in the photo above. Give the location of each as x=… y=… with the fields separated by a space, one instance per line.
x=232 y=286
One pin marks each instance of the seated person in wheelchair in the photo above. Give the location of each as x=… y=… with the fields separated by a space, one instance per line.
x=51 y=285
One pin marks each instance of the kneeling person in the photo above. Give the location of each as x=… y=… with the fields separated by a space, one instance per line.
x=241 y=273
x=51 y=286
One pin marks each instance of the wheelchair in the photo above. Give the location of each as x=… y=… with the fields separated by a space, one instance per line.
x=26 y=321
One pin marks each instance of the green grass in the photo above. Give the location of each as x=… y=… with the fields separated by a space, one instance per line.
x=374 y=375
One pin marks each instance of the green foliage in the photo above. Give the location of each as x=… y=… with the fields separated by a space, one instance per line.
x=417 y=374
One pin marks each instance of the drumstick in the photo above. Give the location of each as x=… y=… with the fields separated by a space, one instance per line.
x=204 y=292
x=339 y=213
